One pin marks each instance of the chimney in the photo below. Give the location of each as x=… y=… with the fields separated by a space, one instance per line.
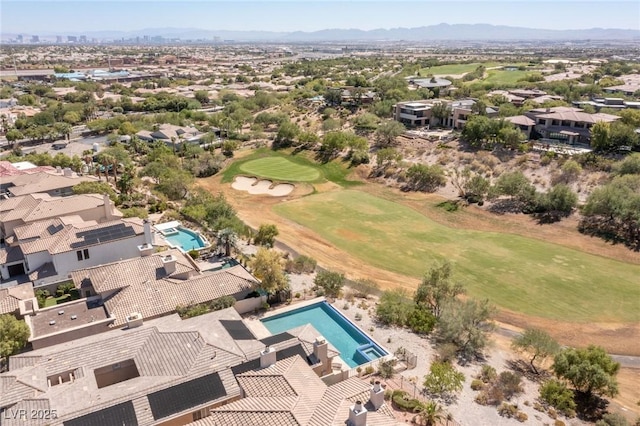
x=377 y=395
x=148 y=235
x=108 y=209
x=134 y=320
x=267 y=357
x=320 y=349
x=58 y=170
x=67 y=172
x=357 y=415
x=169 y=263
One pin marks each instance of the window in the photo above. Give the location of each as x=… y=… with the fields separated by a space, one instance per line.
x=82 y=254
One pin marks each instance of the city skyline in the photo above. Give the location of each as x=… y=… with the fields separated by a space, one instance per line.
x=69 y=17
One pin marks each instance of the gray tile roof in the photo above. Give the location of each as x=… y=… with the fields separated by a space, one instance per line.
x=10 y=297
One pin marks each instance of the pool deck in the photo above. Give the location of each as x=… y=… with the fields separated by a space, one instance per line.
x=260 y=328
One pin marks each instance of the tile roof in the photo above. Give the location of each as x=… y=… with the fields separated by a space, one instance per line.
x=146 y=288
x=248 y=418
x=11 y=254
x=520 y=120
x=9 y=297
x=32 y=207
x=44 y=182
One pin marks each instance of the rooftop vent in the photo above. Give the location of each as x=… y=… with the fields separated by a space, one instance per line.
x=52 y=322
x=60 y=312
x=267 y=357
x=74 y=317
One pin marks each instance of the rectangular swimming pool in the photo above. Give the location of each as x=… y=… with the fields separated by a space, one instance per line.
x=355 y=347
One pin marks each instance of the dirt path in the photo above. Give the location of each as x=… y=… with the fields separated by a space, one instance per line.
x=617 y=338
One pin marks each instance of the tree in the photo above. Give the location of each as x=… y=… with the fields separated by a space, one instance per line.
x=14 y=135
x=72 y=117
x=267 y=267
x=388 y=131
x=558 y=202
x=429 y=413
x=589 y=370
x=366 y=122
x=511 y=137
x=437 y=288
x=477 y=130
x=287 y=133
x=443 y=380
x=600 y=136
x=440 y=111
x=202 y=96
x=95 y=188
x=393 y=308
x=266 y=235
x=13 y=335
x=228 y=239
x=629 y=166
x=515 y=185
x=331 y=282
x=422 y=177
x=537 y=344
x=465 y=324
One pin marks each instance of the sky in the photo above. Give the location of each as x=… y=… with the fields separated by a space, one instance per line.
x=63 y=17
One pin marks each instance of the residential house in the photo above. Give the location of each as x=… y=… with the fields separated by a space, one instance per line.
x=18 y=211
x=206 y=370
x=155 y=284
x=48 y=250
x=564 y=124
x=613 y=103
x=419 y=113
x=56 y=183
x=171 y=134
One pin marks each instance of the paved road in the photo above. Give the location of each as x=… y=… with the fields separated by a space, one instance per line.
x=626 y=361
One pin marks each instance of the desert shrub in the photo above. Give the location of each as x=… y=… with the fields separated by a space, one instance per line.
x=521 y=417
x=557 y=395
x=539 y=407
x=223 y=302
x=447 y=352
x=612 y=419
x=194 y=254
x=487 y=374
x=507 y=410
x=301 y=265
x=420 y=320
x=511 y=383
x=369 y=370
x=558 y=423
x=388 y=394
x=402 y=400
x=477 y=384
x=385 y=368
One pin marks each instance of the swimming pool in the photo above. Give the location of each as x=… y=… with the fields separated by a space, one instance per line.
x=185 y=239
x=355 y=347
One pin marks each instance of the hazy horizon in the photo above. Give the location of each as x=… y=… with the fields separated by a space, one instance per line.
x=61 y=16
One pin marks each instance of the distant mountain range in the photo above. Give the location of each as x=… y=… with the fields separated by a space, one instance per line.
x=480 y=32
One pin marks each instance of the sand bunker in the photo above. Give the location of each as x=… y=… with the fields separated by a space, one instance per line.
x=255 y=186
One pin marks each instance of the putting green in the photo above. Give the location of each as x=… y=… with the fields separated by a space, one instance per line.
x=280 y=168
x=517 y=273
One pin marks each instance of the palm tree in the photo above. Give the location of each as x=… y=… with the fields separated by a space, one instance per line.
x=106 y=160
x=228 y=239
x=429 y=413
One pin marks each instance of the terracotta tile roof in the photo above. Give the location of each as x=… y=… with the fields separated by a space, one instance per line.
x=265 y=386
x=248 y=418
x=520 y=120
x=29 y=406
x=579 y=116
x=9 y=297
x=162 y=358
x=33 y=207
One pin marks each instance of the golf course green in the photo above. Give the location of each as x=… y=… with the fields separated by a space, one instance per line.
x=280 y=168
x=517 y=273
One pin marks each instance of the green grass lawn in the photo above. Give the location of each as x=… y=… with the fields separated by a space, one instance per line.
x=281 y=165
x=521 y=274
x=53 y=301
x=505 y=77
x=452 y=69
x=280 y=168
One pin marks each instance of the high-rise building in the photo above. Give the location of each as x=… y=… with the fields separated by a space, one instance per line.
x=35 y=39
x=20 y=38
x=58 y=39
x=83 y=39
x=72 y=39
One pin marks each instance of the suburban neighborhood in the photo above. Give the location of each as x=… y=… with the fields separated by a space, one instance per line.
x=431 y=225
